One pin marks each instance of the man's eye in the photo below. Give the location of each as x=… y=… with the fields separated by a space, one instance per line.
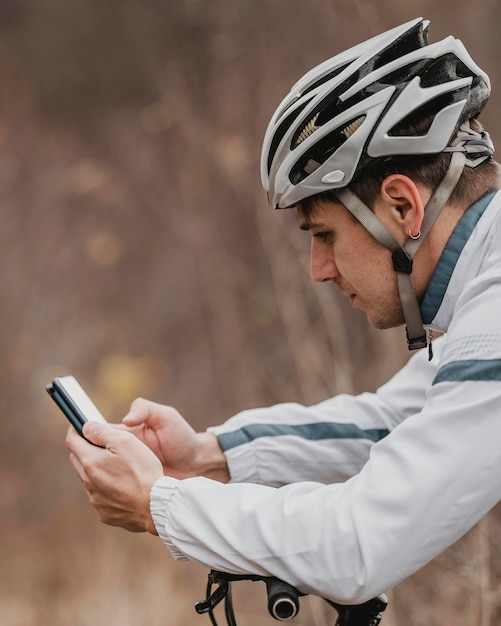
x=322 y=236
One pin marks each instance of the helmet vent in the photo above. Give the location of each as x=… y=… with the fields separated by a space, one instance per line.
x=414 y=38
x=308 y=130
x=282 y=130
x=353 y=126
x=318 y=153
x=327 y=77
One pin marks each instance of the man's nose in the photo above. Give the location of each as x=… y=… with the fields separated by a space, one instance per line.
x=322 y=264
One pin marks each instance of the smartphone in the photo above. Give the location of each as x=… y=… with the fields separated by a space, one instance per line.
x=70 y=397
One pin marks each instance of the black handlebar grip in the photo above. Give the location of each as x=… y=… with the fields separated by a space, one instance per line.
x=283 y=599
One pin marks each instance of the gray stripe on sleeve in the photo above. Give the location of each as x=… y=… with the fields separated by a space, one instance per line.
x=313 y=432
x=460 y=371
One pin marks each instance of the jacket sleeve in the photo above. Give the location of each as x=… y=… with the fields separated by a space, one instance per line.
x=328 y=442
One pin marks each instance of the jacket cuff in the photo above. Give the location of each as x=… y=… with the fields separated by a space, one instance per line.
x=161 y=494
x=241 y=460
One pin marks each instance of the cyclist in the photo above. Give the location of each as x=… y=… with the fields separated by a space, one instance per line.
x=380 y=152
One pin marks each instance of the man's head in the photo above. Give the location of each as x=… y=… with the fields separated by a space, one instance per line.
x=394 y=106
x=344 y=252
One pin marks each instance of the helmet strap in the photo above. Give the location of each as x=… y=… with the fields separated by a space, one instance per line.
x=403 y=256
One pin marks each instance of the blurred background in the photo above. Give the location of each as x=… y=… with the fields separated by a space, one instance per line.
x=139 y=254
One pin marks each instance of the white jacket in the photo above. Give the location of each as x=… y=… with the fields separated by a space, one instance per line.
x=347 y=498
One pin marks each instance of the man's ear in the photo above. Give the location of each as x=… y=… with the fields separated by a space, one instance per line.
x=400 y=206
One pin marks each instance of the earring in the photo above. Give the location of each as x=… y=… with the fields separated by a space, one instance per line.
x=414 y=236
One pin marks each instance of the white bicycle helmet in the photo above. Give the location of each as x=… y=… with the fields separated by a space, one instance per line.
x=344 y=114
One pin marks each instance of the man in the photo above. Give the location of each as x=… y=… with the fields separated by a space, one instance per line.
x=380 y=152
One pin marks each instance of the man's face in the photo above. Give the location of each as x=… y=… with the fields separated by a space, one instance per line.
x=345 y=253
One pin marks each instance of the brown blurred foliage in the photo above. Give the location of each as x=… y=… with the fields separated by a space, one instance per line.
x=139 y=253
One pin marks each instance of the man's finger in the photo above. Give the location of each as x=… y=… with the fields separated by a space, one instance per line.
x=75 y=442
x=99 y=434
x=77 y=466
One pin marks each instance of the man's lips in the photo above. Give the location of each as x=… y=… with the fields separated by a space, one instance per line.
x=351 y=295
x=355 y=301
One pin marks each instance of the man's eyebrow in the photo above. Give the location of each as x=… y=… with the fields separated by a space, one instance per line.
x=310 y=225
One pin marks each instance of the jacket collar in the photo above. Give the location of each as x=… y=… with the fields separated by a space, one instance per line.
x=459 y=262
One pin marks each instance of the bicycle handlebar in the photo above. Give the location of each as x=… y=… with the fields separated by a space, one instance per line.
x=283 y=601
x=367 y=614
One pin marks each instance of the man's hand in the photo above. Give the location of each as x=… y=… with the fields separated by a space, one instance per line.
x=183 y=452
x=118 y=475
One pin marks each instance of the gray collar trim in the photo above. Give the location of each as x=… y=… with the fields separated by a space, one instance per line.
x=450 y=255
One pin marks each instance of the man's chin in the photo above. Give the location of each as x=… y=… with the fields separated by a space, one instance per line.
x=385 y=322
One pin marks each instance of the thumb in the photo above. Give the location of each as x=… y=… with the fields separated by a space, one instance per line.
x=97 y=433
x=139 y=412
